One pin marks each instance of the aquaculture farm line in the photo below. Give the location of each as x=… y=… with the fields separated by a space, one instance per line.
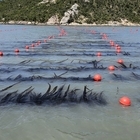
x=63 y=94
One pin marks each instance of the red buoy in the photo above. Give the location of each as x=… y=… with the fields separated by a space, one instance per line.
x=97 y=77
x=112 y=43
x=120 y=61
x=99 y=54
x=45 y=40
x=17 y=50
x=37 y=43
x=118 y=50
x=111 y=68
x=27 y=47
x=125 y=101
x=33 y=45
x=1 y=53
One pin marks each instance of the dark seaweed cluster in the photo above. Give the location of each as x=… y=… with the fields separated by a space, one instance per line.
x=55 y=96
x=127 y=67
x=121 y=77
x=55 y=77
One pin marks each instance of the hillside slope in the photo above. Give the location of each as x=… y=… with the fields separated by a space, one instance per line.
x=89 y=11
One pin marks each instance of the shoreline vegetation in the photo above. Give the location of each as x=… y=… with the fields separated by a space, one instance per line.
x=70 y=12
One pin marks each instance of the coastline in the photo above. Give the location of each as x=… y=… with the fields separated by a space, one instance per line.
x=110 y=23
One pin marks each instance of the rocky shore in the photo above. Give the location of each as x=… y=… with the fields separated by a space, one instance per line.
x=52 y=21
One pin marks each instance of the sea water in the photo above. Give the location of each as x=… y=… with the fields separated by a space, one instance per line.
x=69 y=56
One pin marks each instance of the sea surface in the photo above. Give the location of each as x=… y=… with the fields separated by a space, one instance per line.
x=67 y=55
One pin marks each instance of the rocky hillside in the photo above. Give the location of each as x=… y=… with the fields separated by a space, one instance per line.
x=68 y=11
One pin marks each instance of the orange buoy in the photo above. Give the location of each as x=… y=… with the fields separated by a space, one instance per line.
x=118 y=51
x=17 y=50
x=120 y=61
x=99 y=54
x=112 y=43
x=33 y=45
x=125 y=101
x=37 y=43
x=111 y=68
x=97 y=77
x=1 y=53
x=27 y=47
x=118 y=47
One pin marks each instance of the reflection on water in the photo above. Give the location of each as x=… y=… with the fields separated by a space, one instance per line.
x=70 y=59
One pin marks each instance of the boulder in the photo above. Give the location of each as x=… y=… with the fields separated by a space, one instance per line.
x=46 y=1
x=53 y=20
x=69 y=14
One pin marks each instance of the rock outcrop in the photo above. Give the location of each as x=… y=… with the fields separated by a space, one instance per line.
x=53 y=20
x=69 y=14
x=46 y=1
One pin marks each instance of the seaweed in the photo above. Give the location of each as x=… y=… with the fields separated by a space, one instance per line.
x=53 y=96
x=136 y=76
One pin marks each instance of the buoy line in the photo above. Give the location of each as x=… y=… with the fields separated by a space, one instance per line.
x=97 y=77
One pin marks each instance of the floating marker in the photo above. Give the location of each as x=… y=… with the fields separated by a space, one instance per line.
x=97 y=77
x=99 y=54
x=118 y=47
x=27 y=47
x=120 y=61
x=33 y=45
x=112 y=43
x=111 y=68
x=125 y=101
x=118 y=51
x=17 y=50
x=1 y=53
